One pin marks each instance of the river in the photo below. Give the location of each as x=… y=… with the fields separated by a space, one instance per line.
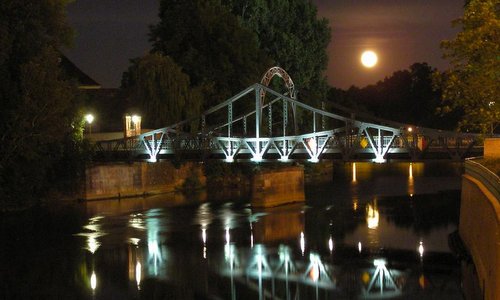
x=367 y=231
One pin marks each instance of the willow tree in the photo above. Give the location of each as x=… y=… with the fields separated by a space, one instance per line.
x=39 y=119
x=161 y=90
x=472 y=83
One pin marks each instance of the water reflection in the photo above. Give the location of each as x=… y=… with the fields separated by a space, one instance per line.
x=138 y=274
x=93 y=281
x=271 y=243
x=155 y=258
x=268 y=225
x=372 y=215
x=94 y=231
x=353 y=172
x=411 y=184
x=302 y=243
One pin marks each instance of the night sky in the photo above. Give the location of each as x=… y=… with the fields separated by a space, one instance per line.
x=402 y=32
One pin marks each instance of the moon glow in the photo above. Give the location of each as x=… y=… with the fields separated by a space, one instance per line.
x=369 y=59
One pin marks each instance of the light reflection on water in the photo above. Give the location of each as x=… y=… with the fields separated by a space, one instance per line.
x=359 y=216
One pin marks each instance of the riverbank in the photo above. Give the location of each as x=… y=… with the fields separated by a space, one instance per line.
x=480 y=226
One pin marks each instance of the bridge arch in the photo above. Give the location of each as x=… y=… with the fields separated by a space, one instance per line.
x=292 y=93
x=280 y=72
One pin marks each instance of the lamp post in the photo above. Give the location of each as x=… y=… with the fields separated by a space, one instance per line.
x=89 y=118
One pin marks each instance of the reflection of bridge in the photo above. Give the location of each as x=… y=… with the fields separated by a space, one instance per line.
x=280 y=276
x=292 y=130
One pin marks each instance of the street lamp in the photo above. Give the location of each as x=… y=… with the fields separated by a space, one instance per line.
x=136 y=119
x=89 y=118
x=137 y=124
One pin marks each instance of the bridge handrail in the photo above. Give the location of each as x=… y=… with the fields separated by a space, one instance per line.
x=489 y=179
x=403 y=125
x=398 y=129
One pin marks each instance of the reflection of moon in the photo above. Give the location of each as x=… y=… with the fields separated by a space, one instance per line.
x=369 y=59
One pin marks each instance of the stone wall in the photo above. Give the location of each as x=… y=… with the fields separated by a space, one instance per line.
x=479 y=228
x=114 y=180
x=279 y=186
x=492 y=148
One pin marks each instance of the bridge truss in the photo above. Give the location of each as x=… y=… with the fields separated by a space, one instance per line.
x=246 y=127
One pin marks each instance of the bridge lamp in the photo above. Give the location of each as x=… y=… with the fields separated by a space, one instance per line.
x=421 y=249
x=410 y=129
x=136 y=119
x=379 y=262
x=379 y=159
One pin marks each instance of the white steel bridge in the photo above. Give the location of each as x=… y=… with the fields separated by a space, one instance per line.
x=261 y=124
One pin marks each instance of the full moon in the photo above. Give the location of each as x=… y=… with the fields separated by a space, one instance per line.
x=369 y=59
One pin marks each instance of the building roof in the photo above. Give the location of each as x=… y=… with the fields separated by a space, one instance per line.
x=84 y=80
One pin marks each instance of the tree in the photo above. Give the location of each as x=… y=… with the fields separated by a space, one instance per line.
x=407 y=96
x=291 y=33
x=162 y=91
x=472 y=82
x=208 y=42
x=40 y=125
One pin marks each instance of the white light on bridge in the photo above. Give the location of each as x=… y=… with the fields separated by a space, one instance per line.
x=330 y=244
x=421 y=249
x=379 y=262
x=410 y=129
x=359 y=247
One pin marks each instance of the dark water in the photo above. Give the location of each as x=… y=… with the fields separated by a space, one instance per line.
x=370 y=231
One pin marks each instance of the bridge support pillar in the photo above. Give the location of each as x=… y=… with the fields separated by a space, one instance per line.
x=274 y=187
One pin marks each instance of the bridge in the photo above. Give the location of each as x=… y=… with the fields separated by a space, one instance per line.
x=260 y=123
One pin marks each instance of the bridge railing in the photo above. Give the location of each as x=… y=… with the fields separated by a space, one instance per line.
x=274 y=126
x=489 y=179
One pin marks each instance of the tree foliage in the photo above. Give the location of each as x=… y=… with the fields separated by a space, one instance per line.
x=472 y=83
x=38 y=130
x=291 y=33
x=208 y=42
x=407 y=96
x=162 y=90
